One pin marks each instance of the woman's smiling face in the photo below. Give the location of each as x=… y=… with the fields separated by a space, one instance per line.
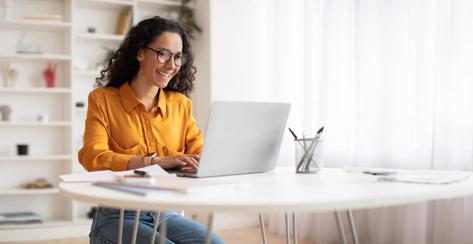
x=160 y=72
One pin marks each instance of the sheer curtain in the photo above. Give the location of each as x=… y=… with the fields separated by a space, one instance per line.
x=392 y=82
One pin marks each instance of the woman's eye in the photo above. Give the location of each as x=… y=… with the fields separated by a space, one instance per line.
x=164 y=54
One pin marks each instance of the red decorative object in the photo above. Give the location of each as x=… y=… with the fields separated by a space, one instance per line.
x=50 y=75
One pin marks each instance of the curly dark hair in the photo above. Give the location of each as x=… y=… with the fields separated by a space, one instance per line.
x=123 y=65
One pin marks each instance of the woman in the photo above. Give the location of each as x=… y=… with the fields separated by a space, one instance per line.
x=142 y=117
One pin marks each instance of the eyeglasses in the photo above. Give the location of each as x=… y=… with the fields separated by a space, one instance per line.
x=165 y=55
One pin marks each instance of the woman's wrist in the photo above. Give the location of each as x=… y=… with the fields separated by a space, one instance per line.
x=156 y=160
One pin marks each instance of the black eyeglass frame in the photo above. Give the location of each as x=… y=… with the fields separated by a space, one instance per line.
x=186 y=57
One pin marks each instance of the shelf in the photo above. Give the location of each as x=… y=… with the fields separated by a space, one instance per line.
x=162 y=2
x=81 y=110
x=40 y=57
x=35 y=123
x=43 y=90
x=44 y=224
x=87 y=72
x=100 y=37
x=20 y=192
x=35 y=25
x=105 y=3
x=36 y=158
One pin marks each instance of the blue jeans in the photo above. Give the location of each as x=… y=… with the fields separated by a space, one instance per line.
x=180 y=230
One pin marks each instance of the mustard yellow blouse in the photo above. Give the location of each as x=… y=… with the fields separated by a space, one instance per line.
x=118 y=127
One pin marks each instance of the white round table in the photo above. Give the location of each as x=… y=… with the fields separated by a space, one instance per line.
x=281 y=190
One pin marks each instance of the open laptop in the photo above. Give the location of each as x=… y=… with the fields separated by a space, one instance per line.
x=241 y=138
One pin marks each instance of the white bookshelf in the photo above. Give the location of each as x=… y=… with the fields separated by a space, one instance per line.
x=36 y=124
x=54 y=143
x=6 y=192
x=54 y=157
x=35 y=25
x=100 y=37
x=37 y=57
x=35 y=90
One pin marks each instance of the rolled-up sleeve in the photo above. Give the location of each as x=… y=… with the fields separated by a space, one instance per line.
x=95 y=153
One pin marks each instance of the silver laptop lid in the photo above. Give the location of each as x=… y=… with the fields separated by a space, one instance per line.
x=242 y=137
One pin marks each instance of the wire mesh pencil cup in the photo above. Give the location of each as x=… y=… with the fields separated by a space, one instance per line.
x=308 y=155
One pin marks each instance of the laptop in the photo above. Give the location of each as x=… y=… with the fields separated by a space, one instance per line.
x=241 y=138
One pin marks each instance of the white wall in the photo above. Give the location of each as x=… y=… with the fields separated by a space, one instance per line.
x=201 y=95
x=212 y=66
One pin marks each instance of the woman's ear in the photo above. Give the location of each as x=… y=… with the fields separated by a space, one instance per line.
x=140 y=55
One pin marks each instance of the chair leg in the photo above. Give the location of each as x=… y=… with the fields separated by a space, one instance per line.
x=208 y=235
x=163 y=229
x=261 y=225
x=155 y=228
x=135 y=227
x=340 y=227
x=120 y=226
x=352 y=226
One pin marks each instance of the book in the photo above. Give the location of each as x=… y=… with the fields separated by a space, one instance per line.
x=19 y=218
x=123 y=22
x=165 y=183
x=45 y=17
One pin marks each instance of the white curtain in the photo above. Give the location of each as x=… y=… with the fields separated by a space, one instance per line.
x=391 y=81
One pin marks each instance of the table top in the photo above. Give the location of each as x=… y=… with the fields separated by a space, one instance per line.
x=281 y=190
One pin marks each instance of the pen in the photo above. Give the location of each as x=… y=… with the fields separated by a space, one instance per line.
x=317 y=137
x=312 y=149
x=140 y=173
x=293 y=134
x=297 y=140
x=306 y=153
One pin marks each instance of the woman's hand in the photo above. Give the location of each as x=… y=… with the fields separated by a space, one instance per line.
x=184 y=162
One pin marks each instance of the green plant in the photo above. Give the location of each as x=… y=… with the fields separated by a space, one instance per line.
x=186 y=19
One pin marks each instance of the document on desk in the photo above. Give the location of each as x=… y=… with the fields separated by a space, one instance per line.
x=181 y=185
x=426 y=177
x=108 y=175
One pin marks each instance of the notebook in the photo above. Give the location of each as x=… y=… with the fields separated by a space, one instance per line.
x=241 y=138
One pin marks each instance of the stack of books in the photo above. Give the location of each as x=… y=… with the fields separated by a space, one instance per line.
x=19 y=218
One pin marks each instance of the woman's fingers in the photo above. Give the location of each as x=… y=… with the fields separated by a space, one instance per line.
x=190 y=161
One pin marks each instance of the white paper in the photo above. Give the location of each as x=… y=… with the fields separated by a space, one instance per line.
x=108 y=175
x=426 y=178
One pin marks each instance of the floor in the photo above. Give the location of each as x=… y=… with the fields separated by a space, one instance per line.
x=249 y=235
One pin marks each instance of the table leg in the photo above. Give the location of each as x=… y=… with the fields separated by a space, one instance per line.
x=135 y=226
x=155 y=228
x=294 y=227
x=352 y=225
x=340 y=227
x=163 y=229
x=120 y=225
x=263 y=232
x=288 y=235
x=208 y=235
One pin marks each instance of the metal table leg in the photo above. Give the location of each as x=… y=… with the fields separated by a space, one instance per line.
x=120 y=225
x=163 y=229
x=294 y=227
x=340 y=227
x=155 y=228
x=208 y=235
x=353 y=227
x=135 y=226
x=261 y=225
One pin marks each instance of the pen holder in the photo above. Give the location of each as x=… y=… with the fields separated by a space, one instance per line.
x=308 y=155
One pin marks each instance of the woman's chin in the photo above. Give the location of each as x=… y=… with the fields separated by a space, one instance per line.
x=162 y=84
